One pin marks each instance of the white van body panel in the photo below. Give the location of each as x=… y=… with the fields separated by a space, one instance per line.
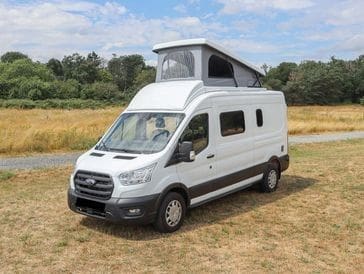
x=233 y=156
x=232 y=153
x=205 y=129
x=164 y=96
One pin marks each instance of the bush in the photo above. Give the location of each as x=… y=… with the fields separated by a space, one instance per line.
x=27 y=68
x=66 y=89
x=5 y=87
x=32 y=88
x=362 y=101
x=101 y=91
x=56 y=103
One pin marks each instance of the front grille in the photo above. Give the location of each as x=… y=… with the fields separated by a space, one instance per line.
x=92 y=184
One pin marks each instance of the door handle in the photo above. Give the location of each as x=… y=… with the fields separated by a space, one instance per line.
x=210 y=156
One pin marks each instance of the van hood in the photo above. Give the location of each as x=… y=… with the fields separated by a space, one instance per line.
x=114 y=163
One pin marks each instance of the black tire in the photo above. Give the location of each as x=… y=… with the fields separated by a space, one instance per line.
x=270 y=178
x=164 y=222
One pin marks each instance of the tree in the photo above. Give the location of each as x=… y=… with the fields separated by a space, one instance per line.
x=276 y=78
x=84 y=70
x=358 y=80
x=313 y=83
x=105 y=75
x=144 y=77
x=265 y=67
x=56 y=67
x=124 y=69
x=12 y=56
x=25 y=79
x=28 y=69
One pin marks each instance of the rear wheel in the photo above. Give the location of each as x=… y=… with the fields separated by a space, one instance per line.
x=270 y=178
x=171 y=213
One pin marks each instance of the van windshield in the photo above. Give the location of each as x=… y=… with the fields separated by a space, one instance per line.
x=141 y=132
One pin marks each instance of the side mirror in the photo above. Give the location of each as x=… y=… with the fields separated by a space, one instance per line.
x=186 y=152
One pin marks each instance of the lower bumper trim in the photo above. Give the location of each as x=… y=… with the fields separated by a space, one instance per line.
x=115 y=209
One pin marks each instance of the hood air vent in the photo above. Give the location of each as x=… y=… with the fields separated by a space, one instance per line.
x=96 y=154
x=124 y=157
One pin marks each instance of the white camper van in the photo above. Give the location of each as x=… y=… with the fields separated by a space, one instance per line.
x=205 y=129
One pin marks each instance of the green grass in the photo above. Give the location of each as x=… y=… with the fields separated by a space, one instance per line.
x=6 y=175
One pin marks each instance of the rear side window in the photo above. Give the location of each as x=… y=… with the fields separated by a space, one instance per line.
x=259 y=115
x=197 y=132
x=232 y=123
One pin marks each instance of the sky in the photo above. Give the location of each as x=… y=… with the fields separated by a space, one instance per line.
x=264 y=31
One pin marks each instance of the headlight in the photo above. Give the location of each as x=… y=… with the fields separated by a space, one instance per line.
x=139 y=176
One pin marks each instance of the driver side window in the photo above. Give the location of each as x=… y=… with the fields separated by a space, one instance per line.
x=197 y=132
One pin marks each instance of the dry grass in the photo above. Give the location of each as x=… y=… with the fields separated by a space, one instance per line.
x=29 y=131
x=313 y=223
x=40 y=130
x=318 y=119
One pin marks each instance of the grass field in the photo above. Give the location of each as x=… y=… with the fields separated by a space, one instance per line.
x=313 y=223
x=39 y=130
x=318 y=119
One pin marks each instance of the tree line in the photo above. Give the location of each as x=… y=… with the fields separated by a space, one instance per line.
x=320 y=83
x=91 y=77
x=75 y=76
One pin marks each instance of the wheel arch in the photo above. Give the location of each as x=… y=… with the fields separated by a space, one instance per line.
x=175 y=187
x=276 y=160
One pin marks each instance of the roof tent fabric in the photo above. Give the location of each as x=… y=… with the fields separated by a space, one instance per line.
x=198 y=59
x=183 y=63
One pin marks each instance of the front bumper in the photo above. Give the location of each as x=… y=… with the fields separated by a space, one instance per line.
x=115 y=209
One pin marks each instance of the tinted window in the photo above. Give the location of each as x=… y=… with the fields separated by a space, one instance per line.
x=232 y=123
x=259 y=115
x=178 y=64
x=220 y=68
x=197 y=132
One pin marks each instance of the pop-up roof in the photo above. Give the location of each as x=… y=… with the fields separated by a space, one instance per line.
x=200 y=59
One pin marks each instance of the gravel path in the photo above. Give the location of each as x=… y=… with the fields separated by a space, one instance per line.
x=301 y=139
x=54 y=160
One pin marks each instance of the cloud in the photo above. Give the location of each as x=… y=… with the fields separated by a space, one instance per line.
x=248 y=46
x=180 y=8
x=236 y=6
x=345 y=13
x=264 y=30
x=54 y=29
x=353 y=44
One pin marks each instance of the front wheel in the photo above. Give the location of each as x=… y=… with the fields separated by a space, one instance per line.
x=270 y=179
x=171 y=213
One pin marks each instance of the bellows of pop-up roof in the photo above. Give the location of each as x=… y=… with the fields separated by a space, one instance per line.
x=200 y=59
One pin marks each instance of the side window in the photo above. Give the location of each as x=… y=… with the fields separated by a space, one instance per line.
x=259 y=115
x=232 y=123
x=197 y=132
x=220 y=68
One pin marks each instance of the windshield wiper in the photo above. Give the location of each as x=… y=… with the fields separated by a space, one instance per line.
x=125 y=150
x=102 y=142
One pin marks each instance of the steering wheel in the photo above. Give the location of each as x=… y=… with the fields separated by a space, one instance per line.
x=164 y=131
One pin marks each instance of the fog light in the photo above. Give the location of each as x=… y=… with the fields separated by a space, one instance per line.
x=134 y=211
